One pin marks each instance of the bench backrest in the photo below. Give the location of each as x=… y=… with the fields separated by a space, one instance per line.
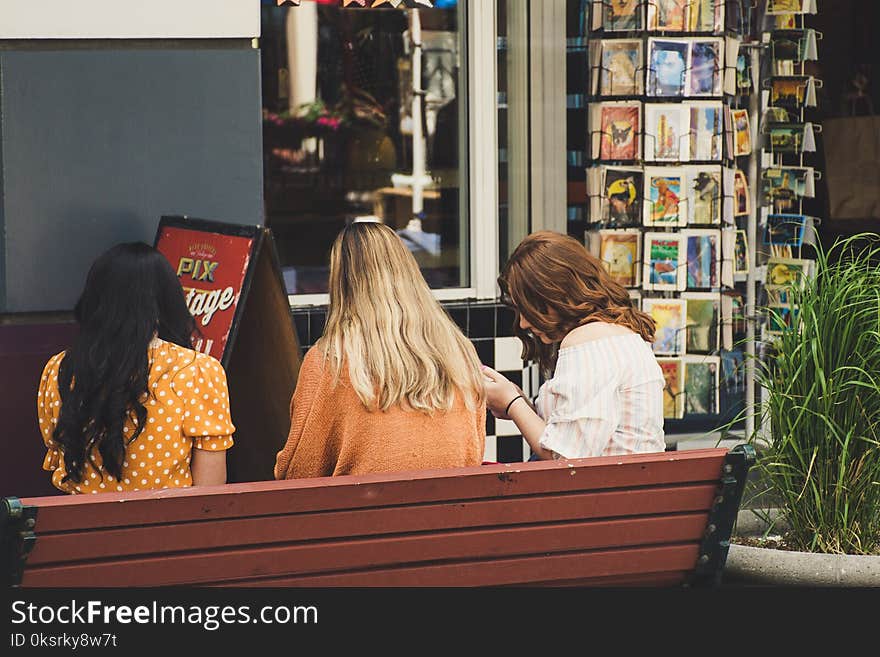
x=650 y=519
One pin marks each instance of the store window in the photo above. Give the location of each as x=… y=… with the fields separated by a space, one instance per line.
x=365 y=116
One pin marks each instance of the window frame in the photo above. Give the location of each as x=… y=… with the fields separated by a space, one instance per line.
x=480 y=165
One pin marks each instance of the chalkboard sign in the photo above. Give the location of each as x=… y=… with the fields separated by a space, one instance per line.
x=234 y=287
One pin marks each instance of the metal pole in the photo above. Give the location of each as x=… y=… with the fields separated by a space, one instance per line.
x=752 y=237
x=418 y=204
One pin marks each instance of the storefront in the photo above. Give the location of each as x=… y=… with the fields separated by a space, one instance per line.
x=464 y=125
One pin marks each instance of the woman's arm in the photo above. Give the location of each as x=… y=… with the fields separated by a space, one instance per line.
x=208 y=467
x=500 y=392
x=308 y=451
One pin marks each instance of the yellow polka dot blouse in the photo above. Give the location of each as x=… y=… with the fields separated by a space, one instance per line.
x=187 y=408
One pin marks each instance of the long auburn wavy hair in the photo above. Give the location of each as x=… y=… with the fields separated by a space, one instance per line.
x=131 y=294
x=400 y=346
x=553 y=282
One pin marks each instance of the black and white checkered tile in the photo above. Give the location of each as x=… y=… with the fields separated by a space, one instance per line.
x=504 y=442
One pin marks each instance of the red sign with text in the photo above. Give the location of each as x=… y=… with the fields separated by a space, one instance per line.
x=211 y=268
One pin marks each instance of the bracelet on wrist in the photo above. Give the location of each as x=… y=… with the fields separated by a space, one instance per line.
x=510 y=403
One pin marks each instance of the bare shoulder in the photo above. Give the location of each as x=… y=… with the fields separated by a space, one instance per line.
x=593 y=331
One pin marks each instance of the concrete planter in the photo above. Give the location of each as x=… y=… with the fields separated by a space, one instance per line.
x=770 y=567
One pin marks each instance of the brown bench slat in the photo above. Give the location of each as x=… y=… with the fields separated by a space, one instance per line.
x=645 y=579
x=353 y=492
x=178 y=537
x=204 y=568
x=588 y=567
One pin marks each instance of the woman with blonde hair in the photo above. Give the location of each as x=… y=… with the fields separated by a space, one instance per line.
x=604 y=396
x=392 y=384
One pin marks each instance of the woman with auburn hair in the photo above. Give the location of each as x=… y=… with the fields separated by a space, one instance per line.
x=604 y=396
x=131 y=406
x=392 y=384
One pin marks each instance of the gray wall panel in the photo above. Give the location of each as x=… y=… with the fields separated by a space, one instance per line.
x=97 y=144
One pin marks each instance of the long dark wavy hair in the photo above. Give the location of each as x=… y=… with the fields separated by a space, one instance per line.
x=557 y=285
x=131 y=294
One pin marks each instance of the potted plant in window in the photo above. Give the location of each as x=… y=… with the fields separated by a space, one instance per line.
x=818 y=430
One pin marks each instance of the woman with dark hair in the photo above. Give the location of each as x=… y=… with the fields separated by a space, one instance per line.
x=131 y=406
x=604 y=396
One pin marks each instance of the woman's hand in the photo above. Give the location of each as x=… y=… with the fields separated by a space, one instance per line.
x=499 y=392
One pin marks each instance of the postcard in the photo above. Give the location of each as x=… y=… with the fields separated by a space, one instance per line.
x=728 y=177
x=778 y=296
x=785 y=21
x=667 y=66
x=663 y=197
x=733 y=378
x=667 y=15
x=701 y=383
x=706 y=130
x=785 y=229
x=784 y=6
x=622 y=196
x=620 y=253
x=729 y=67
x=636 y=298
x=663 y=259
x=703 y=319
x=667 y=132
x=728 y=244
x=778 y=115
x=741 y=195
x=794 y=91
x=703 y=185
x=738 y=15
x=622 y=68
x=616 y=130
x=703 y=252
x=595 y=193
x=743 y=142
x=726 y=321
x=781 y=318
x=673 y=391
x=786 y=272
x=794 y=45
x=706 y=65
x=594 y=50
x=783 y=187
x=670 y=316
x=733 y=320
x=792 y=138
x=744 y=83
x=791 y=7
x=741 y=253
x=618 y=15
x=706 y=16
x=729 y=134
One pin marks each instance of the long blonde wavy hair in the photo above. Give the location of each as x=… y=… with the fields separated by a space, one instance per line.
x=400 y=346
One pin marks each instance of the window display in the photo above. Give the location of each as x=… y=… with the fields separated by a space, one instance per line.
x=362 y=118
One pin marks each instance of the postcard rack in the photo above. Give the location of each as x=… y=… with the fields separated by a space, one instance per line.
x=788 y=100
x=679 y=153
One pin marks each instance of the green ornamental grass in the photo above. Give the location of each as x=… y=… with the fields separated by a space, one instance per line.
x=822 y=405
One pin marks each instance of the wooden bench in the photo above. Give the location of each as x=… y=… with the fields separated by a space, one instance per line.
x=648 y=519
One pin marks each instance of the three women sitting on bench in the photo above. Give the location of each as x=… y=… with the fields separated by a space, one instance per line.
x=391 y=385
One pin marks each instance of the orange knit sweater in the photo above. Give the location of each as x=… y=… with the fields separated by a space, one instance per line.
x=333 y=433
